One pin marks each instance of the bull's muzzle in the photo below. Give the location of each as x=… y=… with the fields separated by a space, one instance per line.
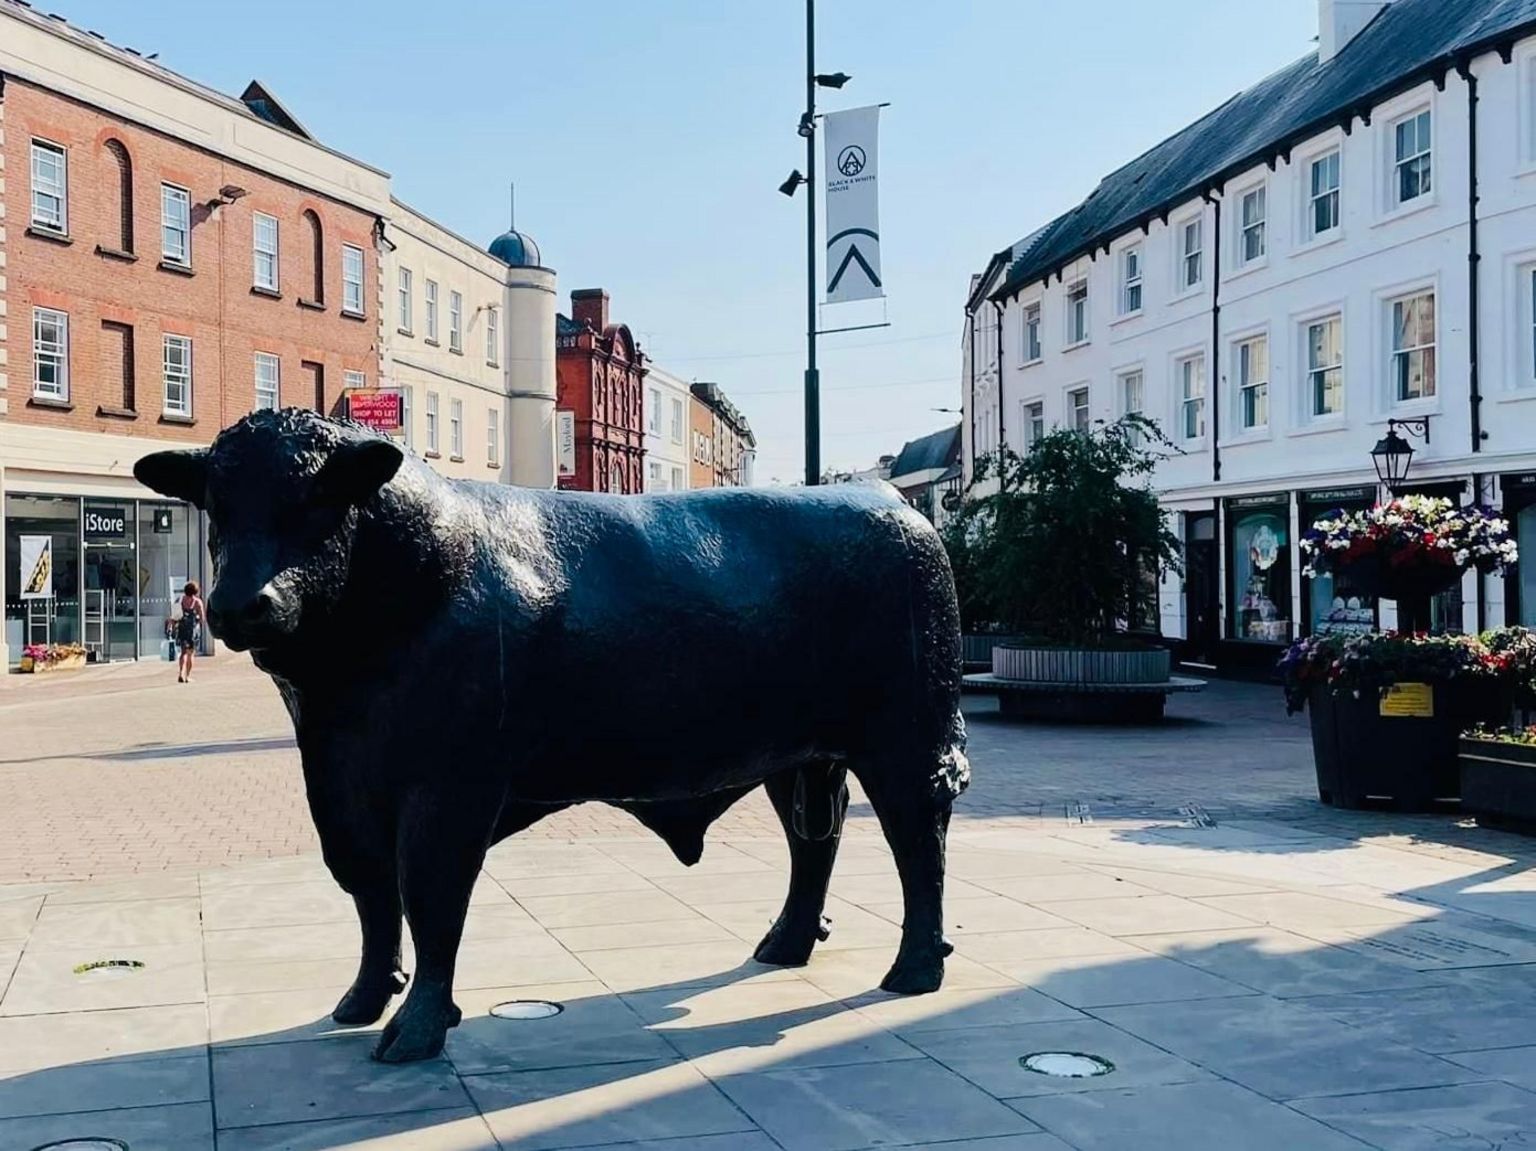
x=242 y=622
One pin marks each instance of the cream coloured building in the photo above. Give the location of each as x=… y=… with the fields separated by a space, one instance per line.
x=469 y=339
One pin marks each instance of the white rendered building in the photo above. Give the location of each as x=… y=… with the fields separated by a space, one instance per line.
x=666 y=432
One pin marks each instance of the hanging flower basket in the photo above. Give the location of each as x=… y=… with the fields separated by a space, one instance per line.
x=1409 y=544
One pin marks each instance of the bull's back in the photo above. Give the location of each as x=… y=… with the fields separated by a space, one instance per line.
x=765 y=625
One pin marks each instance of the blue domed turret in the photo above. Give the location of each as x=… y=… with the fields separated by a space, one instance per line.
x=515 y=248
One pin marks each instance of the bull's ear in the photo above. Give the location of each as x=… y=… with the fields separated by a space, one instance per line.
x=180 y=475
x=356 y=470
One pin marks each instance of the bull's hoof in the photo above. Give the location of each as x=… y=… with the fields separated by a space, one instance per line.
x=364 y=1002
x=914 y=977
x=416 y=1034
x=791 y=947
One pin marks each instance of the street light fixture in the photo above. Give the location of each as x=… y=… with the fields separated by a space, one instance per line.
x=832 y=79
x=1393 y=455
x=794 y=181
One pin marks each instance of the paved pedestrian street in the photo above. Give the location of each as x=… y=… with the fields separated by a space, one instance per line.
x=1251 y=970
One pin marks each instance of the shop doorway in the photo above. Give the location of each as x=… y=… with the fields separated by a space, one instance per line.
x=1202 y=609
x=110 y=597
x=42 y=606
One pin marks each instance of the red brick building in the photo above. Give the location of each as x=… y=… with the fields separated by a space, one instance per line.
x=600 y=372
x=170 y=259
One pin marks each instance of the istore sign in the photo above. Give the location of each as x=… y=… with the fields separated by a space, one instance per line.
x=106 y=523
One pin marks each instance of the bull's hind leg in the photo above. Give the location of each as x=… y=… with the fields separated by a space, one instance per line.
x=443 y=839
x=913 y=808
x=379 y=977
x=811 y=804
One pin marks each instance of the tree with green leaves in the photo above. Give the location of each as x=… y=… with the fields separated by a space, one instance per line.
x=1061 y=548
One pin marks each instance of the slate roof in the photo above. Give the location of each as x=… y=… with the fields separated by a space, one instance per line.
x=936 y=450
x=1409 y=42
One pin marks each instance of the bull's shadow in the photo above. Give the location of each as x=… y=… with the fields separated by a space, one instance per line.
x=1215 y=1035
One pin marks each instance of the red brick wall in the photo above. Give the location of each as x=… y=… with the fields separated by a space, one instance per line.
x=215 y=306
x=599 y=378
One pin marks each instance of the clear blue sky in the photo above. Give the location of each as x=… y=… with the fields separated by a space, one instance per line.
x=647 y=138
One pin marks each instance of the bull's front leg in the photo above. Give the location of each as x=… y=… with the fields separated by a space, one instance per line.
x=444 y=832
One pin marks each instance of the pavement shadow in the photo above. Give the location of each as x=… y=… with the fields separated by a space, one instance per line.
x=1253 y=1034
x=152 y=751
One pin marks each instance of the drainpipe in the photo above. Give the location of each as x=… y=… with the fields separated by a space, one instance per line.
x=1474 y=259
x=1213 y=376
x=1001 y=407
x=970 y=319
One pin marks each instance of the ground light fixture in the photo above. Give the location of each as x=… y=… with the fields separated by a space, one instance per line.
x=1066 y=1064
x=1393 y=455
x=88 y=1143
x=527 y=1009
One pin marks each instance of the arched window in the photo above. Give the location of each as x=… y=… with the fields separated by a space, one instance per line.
x=316 y=257
x=124 y=194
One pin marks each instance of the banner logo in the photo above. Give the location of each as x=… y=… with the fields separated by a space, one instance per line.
x=853 y=205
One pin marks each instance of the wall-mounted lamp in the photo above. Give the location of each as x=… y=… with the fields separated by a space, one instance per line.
x=228 y=194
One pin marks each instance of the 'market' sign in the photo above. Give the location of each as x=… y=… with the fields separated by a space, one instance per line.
x=853 y=205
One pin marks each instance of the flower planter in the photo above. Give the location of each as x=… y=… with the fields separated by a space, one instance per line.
x=1406 y=761
x=1498 y=780
x=30 y=666
x=1080 y=665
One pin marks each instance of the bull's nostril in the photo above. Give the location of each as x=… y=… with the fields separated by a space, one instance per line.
x=259 y=609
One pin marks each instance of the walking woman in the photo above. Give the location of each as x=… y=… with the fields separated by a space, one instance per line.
x=189 y=628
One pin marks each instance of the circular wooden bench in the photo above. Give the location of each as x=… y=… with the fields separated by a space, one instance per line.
x=1080 y=702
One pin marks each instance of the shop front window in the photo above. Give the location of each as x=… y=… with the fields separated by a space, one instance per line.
x=170 y=554
x=1259 y=570
x=1335 y=603
x=42 y=604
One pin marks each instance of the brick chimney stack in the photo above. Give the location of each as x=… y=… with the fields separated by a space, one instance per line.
x=590 y=306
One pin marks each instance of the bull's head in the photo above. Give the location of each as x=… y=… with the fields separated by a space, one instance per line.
x=282 y=492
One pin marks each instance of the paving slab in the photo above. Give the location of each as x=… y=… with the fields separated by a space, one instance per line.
x=965 y=915
x=851 y=926
x=46 y=979
x=129 y=923
x=990 y=1057
x=1466 y=1015
x=948 y=1009
x=18 y=916
x=1147 y=915
x=452 y=1129
x=1190 y=1117
x=620 y=936
x=1042 y=943
x=1514 y=1065
x=858 y=971
x=36 y=1042
x=1108 y=980
x=1478 y=1116
x=595 y=1026
x=869 y=1105
x=178 y=1127
x=106 y=1085
x=686 y=965
x=608 y=1103
x=1281 y=1049
x=291 y=1082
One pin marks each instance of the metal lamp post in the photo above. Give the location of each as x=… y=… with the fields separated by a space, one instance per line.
x=1393 y=455
x=807 y=129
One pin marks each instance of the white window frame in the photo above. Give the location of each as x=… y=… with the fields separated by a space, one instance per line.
x=1246 y=381
x=354 y=379
x=351 y=286
x=57 y=353
x=1133 y=274
x=679 y=420
x=1030 y=433
x=264 y=254
x=408 y=433
x=1077 y=337
x=1032 y=348
x=1429 y=398
x=653 y=425
x=1086 y=407
x=1312 y=375
x=455 y=322
x=169 y=227
x=1243 y=228
x=678 y=481
x=1184 y=254
x=493 y=437
x=1526 y=60
x=492 y=338
x=267 y=359
x=1123 y=381
x=1190 y=368
x=403 y=291
x=653 y=479
x=54 y=216
x=1422 y=160
x=430 y=295
x=456 y=429
x=176 y=376
x=1312 y=198
x=433 y=429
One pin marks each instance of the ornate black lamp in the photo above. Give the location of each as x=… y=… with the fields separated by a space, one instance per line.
x=1393 y=455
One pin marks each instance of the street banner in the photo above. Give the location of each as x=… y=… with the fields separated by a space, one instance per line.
x=36 y=567
x=853 y=205
x=565 y=441
x=379 y=408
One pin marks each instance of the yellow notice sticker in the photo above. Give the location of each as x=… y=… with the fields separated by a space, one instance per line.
x=1409 y=699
